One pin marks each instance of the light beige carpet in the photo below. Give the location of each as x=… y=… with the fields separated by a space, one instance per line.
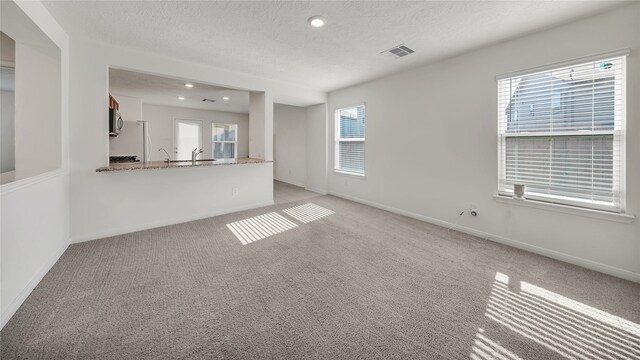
x=360 y=283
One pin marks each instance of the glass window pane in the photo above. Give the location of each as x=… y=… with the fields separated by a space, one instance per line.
x=562 y=134
x=352 y=122
x=231 y=133
x=230 y=150
x=218 y=133
x=225 y=132
x=351 y=156
x=224 y=150
x=553 y=102
x=350 y=126
x=577 y=166
x=218 y=151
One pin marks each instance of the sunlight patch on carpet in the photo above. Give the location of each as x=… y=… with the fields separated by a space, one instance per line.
x=568 y=327
x=260 y=227
x=308 y=212
x=487 y=349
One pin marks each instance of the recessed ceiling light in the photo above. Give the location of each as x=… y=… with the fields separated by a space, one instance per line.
x=225 y=98
x=317 y=21
x=188 y=85
x=180 y=97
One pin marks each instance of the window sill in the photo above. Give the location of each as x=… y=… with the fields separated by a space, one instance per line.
x=566 y=209
x=340 y=172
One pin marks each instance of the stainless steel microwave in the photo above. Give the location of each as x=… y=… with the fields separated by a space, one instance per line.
x=115 y=122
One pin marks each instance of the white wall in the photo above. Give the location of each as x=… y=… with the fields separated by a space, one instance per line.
x=130 y=108
x=34 y=212
x=34 y=232
x=37 y=111
x=7 y=109
x=289 y=144
x=137 y=200
x=431 y=145
x=104 y=204
x=161 y=127
x=317 y=151
x=261 y=125
x=37 y=95
x=7 y=129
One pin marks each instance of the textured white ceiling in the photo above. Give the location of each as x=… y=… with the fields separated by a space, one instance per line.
x=272 y=39
x=161 y=90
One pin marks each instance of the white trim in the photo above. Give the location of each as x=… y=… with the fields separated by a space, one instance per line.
x=338 y=140
x=294 y=183
x=317 y=191
x=622 y=138
x=561 y=133
x=565 y=201
x=589 y=264
x=567 y=196
x=11 y=309
x=30 y=181
x=155 y=224
x=343 y=172
x=566 y=209
x=351 y=139
x=610 y=54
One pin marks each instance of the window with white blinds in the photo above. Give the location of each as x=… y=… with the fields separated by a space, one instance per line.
x=224 y=141
x=350 y=135
x=561 y=134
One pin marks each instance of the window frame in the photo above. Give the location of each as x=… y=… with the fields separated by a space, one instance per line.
x=618 y=133
x=214 y=142
x=338 y=140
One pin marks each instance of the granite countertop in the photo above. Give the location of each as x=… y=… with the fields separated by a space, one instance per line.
x=181 y=164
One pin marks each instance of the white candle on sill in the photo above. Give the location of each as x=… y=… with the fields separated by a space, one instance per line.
x=518 y=191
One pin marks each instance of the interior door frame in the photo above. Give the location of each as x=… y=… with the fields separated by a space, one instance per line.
x=175 y=140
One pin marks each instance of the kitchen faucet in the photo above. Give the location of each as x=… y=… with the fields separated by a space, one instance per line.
x=168 y=159
x=194 y=155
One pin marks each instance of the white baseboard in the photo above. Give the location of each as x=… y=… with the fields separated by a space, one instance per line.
x=319 y=191
x=294 y=183
x=155 y=224
x=22 y=296
x=589 y=264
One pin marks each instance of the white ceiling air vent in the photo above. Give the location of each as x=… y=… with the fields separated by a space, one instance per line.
x=208 y=100
x=398 y=51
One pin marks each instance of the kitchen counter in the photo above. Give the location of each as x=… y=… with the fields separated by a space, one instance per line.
x=180 y=164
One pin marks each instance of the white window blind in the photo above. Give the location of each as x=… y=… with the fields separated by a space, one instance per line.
x=561 y=134
x=350 y=139
x=224 y=141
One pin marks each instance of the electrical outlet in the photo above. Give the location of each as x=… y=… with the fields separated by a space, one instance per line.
x=473 y=209
x=234 y=191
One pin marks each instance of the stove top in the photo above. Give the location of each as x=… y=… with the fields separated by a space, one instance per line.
x=123 y=159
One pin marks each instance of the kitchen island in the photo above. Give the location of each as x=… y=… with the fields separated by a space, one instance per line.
x=152 y=165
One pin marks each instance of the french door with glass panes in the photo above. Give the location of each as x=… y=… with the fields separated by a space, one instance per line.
x=187 y=137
